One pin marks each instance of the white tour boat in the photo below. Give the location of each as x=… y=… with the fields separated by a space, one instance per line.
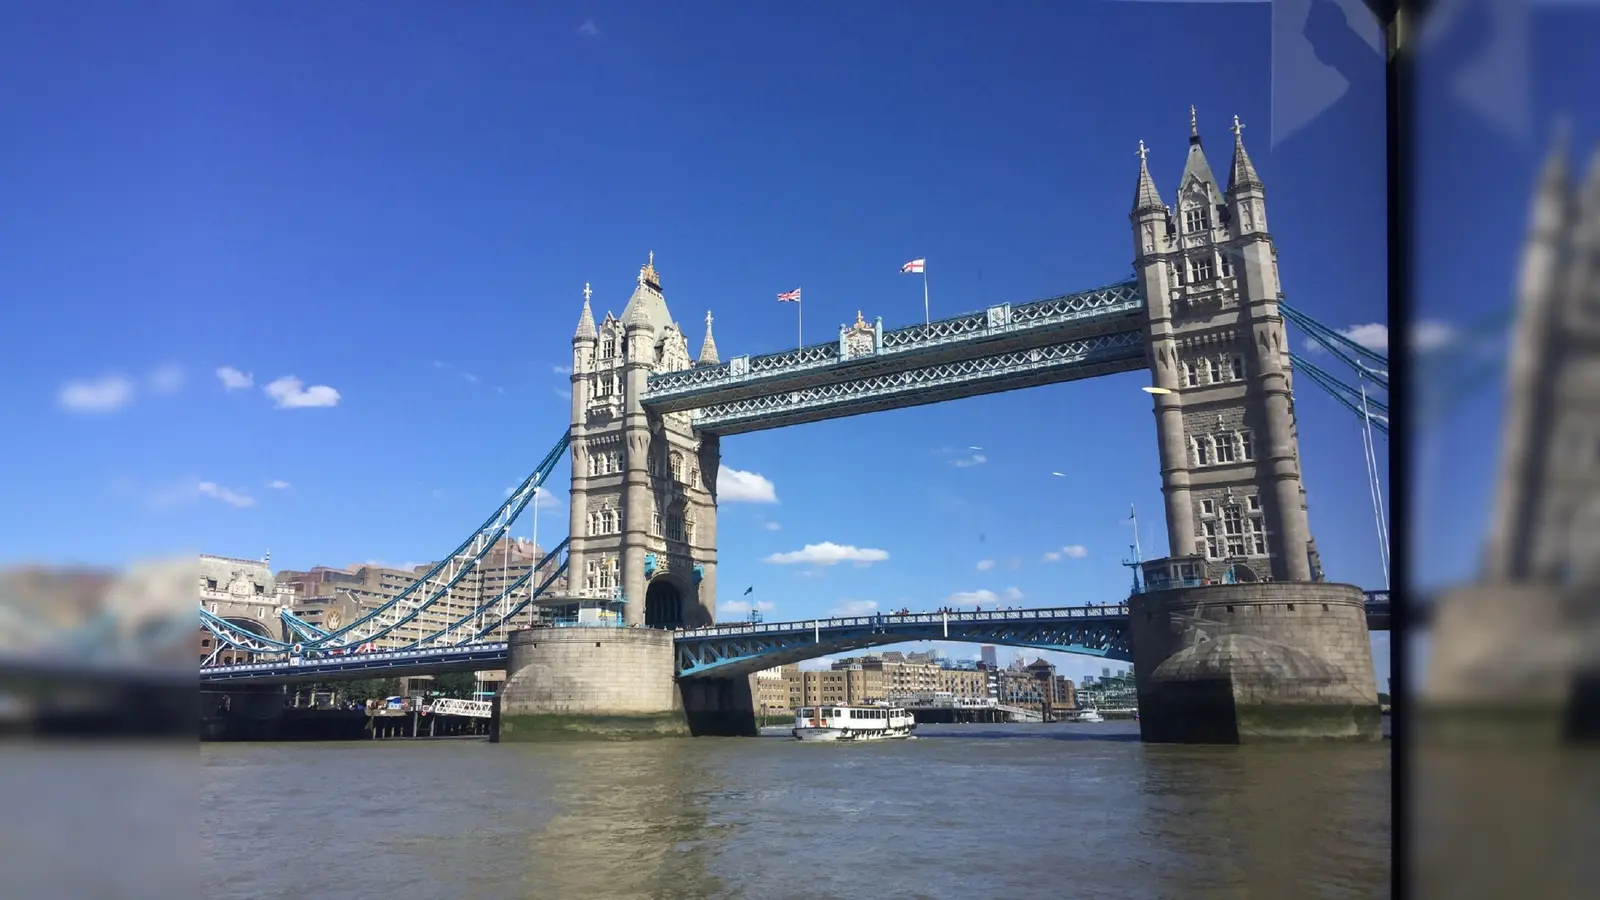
x=1088 y=715
x=853 y=723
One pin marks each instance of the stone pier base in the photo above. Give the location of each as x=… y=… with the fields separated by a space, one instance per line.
x=589 y=683
x=1513 y=662
x=1235 y=663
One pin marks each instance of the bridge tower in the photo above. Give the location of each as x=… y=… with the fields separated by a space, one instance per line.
x=1237 y=614
x=1532 y=620
x=643 y=493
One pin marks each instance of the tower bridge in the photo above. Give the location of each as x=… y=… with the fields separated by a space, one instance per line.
x=1238 y=635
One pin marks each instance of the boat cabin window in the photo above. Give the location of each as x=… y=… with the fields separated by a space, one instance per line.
x=808 y=712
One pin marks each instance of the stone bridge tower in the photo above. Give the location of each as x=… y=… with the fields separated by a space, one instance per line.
x=644 y=504
x=1230 y=452
x=1236 y=637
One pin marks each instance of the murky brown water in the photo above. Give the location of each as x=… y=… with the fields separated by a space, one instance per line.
x=965 y=812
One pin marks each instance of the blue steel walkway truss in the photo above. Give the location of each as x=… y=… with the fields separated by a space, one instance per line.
x=740 y=649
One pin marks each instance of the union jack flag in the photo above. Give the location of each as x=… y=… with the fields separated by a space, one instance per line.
x=790 y=297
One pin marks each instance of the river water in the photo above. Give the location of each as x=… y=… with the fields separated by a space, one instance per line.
x=971 y=812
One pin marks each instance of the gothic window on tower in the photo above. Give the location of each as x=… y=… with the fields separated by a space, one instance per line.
x=1208 y=507
x=677 y=466
x=1172 y=274
x=1225 y=448
x=1195 y=219
x=608 y=349
x=1213 y=372
x=1202 y=450
x=1236 y=366
x=655 y=523
x=1213 y=545
x=1225 y=264
x=1191 y=375
x=1258 y=535
x=1200 y=269
x=1247 y=451
x=688 y=525
x=675 y=527
x=1233 y=530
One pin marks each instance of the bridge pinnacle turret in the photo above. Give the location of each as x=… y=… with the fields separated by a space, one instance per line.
x=1243 y=171
x=1145 y=196
x=708 y=347
x=586 y=330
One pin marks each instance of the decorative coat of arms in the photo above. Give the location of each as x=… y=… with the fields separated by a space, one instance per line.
x=860 y=339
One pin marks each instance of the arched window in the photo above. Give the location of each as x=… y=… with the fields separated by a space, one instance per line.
x=1191 y=375
x=1210 y=367
x=655 y=523
x=677 y=466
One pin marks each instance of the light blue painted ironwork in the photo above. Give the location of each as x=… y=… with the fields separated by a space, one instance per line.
x=739 y=649
x=333 y=665
x=1082 y=358
x=898 y=349
x=414 y=599
x=744 y=647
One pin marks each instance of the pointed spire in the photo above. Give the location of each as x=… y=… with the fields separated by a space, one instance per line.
x=586 y=321
x=1195 y=167
x=708 y=347
x=1145 y=196
x=1244 y=171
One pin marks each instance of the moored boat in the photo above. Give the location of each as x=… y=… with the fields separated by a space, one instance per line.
x=853 y=723
x=1089 y=715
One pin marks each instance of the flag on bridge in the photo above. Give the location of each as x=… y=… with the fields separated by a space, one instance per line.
x=749 y=589
x=915 y=267
x=790 y=296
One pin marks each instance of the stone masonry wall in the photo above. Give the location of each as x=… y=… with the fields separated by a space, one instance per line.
x=1274 y=660
x=590 y=672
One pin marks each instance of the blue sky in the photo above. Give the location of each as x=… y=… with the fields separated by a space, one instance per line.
x=379 y=220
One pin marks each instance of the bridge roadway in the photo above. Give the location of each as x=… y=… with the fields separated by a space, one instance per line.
x=744 y=647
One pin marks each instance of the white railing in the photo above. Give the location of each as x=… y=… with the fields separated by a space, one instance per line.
x=885 y=619
x=477 y=709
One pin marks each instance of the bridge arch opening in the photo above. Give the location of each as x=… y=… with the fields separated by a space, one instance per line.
x=663 y=605
x=1240 y=573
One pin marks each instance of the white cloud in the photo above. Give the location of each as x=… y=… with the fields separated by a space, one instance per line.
x=970 y=460
x=166 y=379
x=734 y=486
x=983 y=597
x=234 y=380
x=470 y=377
x=214 y=491
x=1373 y=336
x=1429 y=335
x=561 y=370
x=771 y=526
x=740 y=607
x=1075 y=551
x=291 y=393
x=278 y=485
x=1052 y=556
x=828 y=553
x=985 y=565
x=97 y=395
x=853 y=608
x=589 y=28
x=542 y=498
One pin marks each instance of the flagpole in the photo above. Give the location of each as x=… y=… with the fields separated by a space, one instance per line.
x=800 y=324
x=925 y=319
